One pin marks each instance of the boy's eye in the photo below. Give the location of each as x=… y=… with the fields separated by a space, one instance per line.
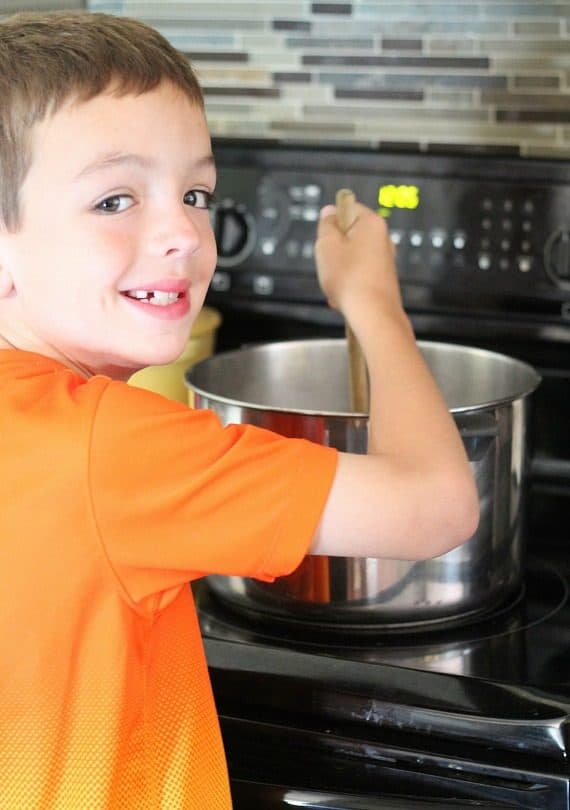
x=115 y=204
x=198 y=198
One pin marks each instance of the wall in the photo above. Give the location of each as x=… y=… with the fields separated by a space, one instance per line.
x=489 y=76
x=10 y=6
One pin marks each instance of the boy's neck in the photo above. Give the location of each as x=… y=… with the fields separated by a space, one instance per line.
x=54 y=355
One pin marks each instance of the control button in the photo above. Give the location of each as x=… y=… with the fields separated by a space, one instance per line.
x=485 y=243
x=312 y=192
x=292 y=248
x=528 y=207
x=436 y=258
x=505 y=244
x=296 y=211
x=524 y=264
x=221 y=282
x=438 y=237
x=504 y=263
x=486 y=224
x=296 y=193
x=263 y=285
x=508 y=205
x=557 y=256
x=487 y=204
x=308 y=250
x=416 y=238
x=269 y=212
x=268 y=247
x=525 y=246
x=507 y=224
x=310 y=213
x=415 y=257
x=459 y=240
x=234 y=230
x=396 y=237
x=231 y=231
x=526 y=226
x=484 y=261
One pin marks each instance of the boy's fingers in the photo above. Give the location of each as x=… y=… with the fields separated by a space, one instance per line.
x=327 y=219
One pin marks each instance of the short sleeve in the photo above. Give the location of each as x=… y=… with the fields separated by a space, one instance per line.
x=175 y=495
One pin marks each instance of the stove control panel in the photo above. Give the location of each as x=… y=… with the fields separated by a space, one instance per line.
x=469 y=232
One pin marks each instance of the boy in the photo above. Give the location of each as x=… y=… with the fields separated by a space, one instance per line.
x=114 y=498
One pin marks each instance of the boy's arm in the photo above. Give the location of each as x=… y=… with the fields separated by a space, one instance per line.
x=413 y=496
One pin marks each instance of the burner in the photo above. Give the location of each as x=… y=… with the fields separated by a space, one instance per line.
x=494 y=646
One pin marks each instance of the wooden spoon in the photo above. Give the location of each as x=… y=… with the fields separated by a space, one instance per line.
x=357 y=371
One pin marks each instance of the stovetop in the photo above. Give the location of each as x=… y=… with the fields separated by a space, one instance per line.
x=485 y=705
x=524 y=642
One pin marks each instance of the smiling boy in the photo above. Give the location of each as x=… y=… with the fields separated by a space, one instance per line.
x=114 y=498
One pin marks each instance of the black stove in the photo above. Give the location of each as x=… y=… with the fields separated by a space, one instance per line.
x=475 y=712
x=461 y=714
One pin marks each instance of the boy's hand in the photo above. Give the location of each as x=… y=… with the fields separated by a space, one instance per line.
x=356 y=267
x=413 y=495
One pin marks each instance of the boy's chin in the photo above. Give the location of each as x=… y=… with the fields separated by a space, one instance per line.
x=163 y=355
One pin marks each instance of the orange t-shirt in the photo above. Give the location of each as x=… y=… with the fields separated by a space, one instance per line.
x=112 y=499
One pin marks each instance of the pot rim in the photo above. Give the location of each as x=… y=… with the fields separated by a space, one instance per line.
x=534 y=378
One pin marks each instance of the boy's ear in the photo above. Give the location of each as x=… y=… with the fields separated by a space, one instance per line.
x=6 y=281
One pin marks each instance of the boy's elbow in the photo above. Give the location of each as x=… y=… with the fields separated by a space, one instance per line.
x=462 y=511
x=457 y=514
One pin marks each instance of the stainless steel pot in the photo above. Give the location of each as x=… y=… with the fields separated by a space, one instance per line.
x=299 y=388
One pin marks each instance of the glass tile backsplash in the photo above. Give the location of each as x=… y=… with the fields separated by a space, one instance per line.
x=488 y=77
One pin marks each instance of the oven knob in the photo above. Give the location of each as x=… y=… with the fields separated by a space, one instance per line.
x=557 y=256
x=234 y=229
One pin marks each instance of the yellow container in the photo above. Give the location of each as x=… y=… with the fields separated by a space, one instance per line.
x=169 y=380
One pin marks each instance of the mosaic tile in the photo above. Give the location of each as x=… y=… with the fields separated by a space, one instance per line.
x=392 y=44
x=528 y=47
x=301 y=77
x=398 y=113
x=540 y=28
x=410 y=10
x=218 y=56
x=291 y=25
x=307 y=93
x=332 y=43
x=234 y=92
x=489 y=75
x=188 y=40
x=331 y=8
x=458 y=45
x=411 y=27
x=8 y=7
x=542 y=116
x=543 y=82
x=540 y=150
x=536 y=9
x=522 y=100
x=394 y=95
x=491 y=149
x=233 y=75
x=396 y=61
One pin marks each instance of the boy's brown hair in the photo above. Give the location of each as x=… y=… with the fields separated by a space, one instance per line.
x=48 y=59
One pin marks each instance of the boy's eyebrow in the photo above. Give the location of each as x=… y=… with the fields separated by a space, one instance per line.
x=113 y=159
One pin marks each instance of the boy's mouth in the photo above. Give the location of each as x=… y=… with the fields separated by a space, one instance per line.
x=157 y=298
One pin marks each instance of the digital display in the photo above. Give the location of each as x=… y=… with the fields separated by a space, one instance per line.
x=391 y=196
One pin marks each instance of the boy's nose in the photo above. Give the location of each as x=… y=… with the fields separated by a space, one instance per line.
x=174 y=232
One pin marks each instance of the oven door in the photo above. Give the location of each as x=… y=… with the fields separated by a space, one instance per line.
x=247 y=795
